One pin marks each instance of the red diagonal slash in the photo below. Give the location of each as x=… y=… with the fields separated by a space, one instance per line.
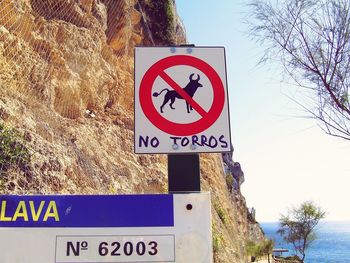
x=182 y=93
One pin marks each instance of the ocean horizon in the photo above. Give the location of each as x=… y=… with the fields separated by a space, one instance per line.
x=331 y=246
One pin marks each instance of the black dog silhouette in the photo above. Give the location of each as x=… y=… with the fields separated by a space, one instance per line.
x=171 y=95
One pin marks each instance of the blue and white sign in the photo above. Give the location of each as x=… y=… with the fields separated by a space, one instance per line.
x=106 y=228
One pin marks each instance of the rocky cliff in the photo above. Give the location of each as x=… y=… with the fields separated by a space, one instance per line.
x=66 y=95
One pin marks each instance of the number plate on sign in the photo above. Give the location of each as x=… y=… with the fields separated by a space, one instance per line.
x=106 y=228
x=115 y=249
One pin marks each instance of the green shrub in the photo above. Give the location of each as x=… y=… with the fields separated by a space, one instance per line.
x=221 y=213
x=250 y=248
x=217 y=243
x=229 y=181
x=267 y=246
x=253 y=249
x=162 y=20
x=13 y=152
x=259 y=250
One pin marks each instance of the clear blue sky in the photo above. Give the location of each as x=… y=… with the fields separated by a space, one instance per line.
x=286 y=158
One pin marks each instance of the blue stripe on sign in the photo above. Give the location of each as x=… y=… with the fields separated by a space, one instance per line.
x=87 y=211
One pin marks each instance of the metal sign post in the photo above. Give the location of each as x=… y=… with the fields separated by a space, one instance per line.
x=184 y=169
x=183 y=173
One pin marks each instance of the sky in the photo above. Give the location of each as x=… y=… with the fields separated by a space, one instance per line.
x=286 y=157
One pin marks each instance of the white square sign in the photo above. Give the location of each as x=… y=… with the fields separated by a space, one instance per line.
x=181 y=100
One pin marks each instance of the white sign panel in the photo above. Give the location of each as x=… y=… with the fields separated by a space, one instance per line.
x=181 y=100
x=113 y=228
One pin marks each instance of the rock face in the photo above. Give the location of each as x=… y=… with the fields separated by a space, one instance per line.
x=66 y=83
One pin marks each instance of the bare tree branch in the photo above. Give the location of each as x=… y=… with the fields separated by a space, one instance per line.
x=311 y=39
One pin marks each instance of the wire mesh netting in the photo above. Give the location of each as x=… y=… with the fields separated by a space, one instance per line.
x=23 y=19
x=49 y=43
x=65 y=55
x=70 y=59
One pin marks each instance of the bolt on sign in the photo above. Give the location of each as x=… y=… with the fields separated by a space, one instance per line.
x=181 y=100
x=113 y=228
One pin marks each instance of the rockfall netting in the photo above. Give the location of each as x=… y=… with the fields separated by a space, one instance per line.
x=72 y=57
x=66 y=92
x=62 y=50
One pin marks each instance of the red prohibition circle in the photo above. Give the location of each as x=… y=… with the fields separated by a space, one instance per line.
x=181 y=129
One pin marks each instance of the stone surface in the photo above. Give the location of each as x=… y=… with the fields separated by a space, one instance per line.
x=61 y=61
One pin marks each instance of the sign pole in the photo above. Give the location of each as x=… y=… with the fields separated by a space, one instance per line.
x=183 y=173
x=184 y=169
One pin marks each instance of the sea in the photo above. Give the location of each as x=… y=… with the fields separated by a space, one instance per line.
x=331 y=246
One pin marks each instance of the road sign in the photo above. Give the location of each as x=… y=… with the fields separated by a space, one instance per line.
x=113 y=228
x=181 y=102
